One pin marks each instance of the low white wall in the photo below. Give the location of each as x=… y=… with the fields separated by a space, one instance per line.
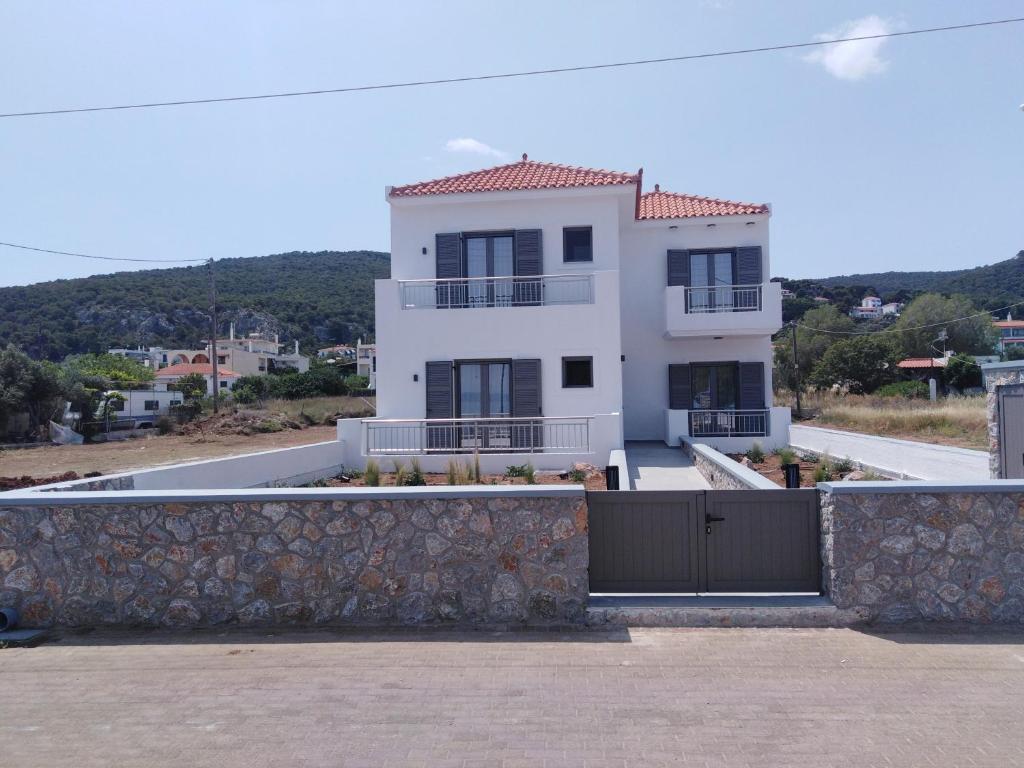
x=605 y=436
x=286 y=466
x=617 y=458
x=677 y=427
x=723 y=473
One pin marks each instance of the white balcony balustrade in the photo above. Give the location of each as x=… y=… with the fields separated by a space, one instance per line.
x=723 y=310
x=723 y=298
x=729 y=423
x=482 y=292
x=403 y=437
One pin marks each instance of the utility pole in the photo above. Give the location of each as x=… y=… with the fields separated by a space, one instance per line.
x=213 y=335
x=796 y=372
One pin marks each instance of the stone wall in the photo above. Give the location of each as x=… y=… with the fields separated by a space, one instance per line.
x=316 y=556
x=724 y=474
x=906 y=553
x=998 y=375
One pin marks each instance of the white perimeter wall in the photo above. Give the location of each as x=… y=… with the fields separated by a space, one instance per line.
x=642 y=282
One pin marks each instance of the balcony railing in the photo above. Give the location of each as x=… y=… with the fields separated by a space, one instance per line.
x=478 y=292
x=723 y=298
x=400 y=437
x=729 y=423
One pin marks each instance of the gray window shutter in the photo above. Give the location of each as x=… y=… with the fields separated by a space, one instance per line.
x=526 y=403
x=440 y=404
x=748 y=265
x=678 y=267
x=679 y=397
x=529 y=252
x=751 y=392
x=448 y=257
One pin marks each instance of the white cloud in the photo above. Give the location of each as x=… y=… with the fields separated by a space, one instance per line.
x=857 y=59
x=474 y=147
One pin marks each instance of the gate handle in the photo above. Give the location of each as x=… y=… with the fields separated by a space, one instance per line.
x=709 y=519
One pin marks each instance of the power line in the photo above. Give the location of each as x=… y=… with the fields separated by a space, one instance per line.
x=507 y=75
x=100 y=258
x=914 y=328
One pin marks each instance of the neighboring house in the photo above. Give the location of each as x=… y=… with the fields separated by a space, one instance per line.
x=558 y=311
x=1011 y=333
x=250 y=356
x=870 y=308
x=226 y=377
x=366 y=362
x=924 y=368
x=343 y=351
x=139 y=407
x=787 y=294
x=892 y=308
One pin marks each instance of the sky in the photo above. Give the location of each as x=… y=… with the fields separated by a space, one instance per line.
x=902 y=154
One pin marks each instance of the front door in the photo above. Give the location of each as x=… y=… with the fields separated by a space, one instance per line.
x=489 y=256
x=484 y=391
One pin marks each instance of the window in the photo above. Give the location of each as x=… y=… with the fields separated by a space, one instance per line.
x=577 y=244
x=151 y=405
x=223 y=384
x=222 y=359
x=711 y=276
x=116 y=404
x=577 y=372
x=714 y=387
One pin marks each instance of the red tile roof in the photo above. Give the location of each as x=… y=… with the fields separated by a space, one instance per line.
x=922 y=362
x=1009 y=324
x=183 y=369
x=672 y=205
x=525 y=174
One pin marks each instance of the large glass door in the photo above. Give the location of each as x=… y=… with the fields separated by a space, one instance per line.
x=485 y=394
x=714 y=387
x=711 y=280
x=489 y=256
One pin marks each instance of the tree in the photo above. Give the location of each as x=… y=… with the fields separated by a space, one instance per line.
x=113 y=368
x=811 y=344
x=1015 y=352
x=192 y=386
x=975 y=336
x=962 y=372
x=15 y=382
x=859 y=364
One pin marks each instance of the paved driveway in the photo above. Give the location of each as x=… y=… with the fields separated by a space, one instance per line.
x=920 y=461
x=644 y=698
x=653 y=466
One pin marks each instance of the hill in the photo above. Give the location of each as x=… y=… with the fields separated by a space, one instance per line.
x=989 y=287
x=317 y=298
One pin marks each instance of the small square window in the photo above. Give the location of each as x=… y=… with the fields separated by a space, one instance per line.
x=577 y=372
x=223 y=384
x=577 y=244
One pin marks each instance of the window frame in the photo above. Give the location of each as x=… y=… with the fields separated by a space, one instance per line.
x=151 y=405
x=577 y=359
x=713 y=379
x=565 y=244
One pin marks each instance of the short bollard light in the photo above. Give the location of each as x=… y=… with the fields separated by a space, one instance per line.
x=792 y=472
x=8 y=619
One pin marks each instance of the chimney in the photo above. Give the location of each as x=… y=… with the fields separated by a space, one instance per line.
x=276 y=340
x=232 y=330
x=296 y=346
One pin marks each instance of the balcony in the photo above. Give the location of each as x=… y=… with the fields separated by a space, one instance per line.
x=483 y=292
x=723 y=310
x=404 y=437
x=729 y=423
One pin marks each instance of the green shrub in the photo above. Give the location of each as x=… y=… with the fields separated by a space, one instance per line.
x=415 y=476
x=452 y=473
x=164 y=425
x=476 y=468
x=786 y=455
x=756 y=453
x=911 y=390
x=842 y=466
x=400 y=473
x=372 y=473
x=577 y=475
x=528 y=473
x=515 y=470
x=822 y=473
x=268 y=425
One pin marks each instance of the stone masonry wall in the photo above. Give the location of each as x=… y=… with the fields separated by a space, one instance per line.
x=994 y=379
x=490 y=559
x=920 y=556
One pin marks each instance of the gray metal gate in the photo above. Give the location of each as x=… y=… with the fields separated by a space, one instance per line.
x=704 y=541
x=1011 y=431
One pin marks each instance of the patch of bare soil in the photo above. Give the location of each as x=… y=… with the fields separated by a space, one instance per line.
x=771 y=468
x=14 y=483
x=593 y=479
x=45 y=462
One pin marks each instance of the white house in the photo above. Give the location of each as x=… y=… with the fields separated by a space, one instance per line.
x=366 y=362
x=226 y=377
x=252 y=355
x=558 y=311
x=139 y=406
x=870 y=308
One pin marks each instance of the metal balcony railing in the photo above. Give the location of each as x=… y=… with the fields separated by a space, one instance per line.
x=479 y=292
x=723 y=298
x=399 y=437
x=729 y=423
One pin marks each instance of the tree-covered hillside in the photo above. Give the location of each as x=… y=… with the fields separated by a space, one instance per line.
x=989 y=287
x=317 y=298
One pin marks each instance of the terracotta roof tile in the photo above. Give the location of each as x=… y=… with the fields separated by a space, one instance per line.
x=525 y=174
x=921 y=362
x=183 y=369
x=672 y=205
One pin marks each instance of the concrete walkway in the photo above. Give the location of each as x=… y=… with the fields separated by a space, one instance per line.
x=654 y=466
x=919 y=461
x=636 y=698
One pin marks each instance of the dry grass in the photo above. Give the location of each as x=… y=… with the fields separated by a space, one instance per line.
x=956 y=421
x=322 y=410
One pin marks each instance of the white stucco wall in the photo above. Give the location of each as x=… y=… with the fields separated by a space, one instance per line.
x=642 y=284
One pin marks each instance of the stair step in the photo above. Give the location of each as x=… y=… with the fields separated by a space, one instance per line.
x=689 y=611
